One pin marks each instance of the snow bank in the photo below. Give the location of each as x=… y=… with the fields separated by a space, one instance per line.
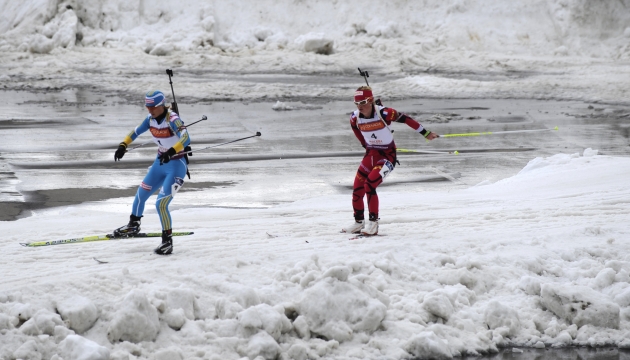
x=570 y=27
x=443 y=48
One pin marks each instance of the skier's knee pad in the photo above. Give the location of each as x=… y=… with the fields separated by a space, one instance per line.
x=179 y=182
x=387 y=168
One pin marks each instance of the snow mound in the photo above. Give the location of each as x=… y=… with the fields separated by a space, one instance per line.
x=266 y=318
x=429 y=346
x=78 y=312
x=317 y=43
x=76 y=347
x=135 y=320
x=580 y=305
x=336 y=309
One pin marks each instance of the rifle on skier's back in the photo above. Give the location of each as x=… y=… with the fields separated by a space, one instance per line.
x=174 y=107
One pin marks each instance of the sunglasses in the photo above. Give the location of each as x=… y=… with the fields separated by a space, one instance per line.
x=363 y=102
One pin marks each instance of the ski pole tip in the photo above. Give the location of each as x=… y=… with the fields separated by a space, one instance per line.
x=258 y=133
x=204 y=117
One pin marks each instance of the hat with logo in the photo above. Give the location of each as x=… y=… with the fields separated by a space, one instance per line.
x=154 y=98
x=362 y=94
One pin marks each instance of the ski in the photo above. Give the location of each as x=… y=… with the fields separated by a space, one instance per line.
x=100 y=238
x=362 y=236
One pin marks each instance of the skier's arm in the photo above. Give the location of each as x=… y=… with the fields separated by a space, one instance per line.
x=390 y=115
x=133 y=135
x=122 y=147
x=355 y=129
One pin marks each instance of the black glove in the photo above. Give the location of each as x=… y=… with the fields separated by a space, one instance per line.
x=122 y=149
x=166 y=157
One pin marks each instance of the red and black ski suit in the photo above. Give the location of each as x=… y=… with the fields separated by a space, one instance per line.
x=380 y=155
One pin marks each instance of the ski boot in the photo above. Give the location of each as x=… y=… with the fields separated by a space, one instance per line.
x=130 y=229
x=166 y=247
x=355 y=227
x=372 y=227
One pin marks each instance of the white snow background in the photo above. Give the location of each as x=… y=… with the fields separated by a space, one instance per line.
x=538 y=259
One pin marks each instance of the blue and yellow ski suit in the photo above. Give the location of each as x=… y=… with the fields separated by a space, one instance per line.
x=167 y=131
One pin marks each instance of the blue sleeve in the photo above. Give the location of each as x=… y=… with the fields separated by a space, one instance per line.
x=143 y=127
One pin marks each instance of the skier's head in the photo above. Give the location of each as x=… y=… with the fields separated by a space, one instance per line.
x=155 y=103
x=154 y=98
x=363 y=99
x=363 y=96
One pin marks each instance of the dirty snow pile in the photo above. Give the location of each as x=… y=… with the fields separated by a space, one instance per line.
x=567 y=49
x=539 y=259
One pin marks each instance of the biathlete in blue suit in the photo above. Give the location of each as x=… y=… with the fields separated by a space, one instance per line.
x=167 y=172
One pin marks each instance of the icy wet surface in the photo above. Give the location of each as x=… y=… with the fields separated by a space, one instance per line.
x=58 y=147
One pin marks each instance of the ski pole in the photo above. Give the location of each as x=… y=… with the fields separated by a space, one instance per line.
x=203 y=117
x=428 y=151
x=495 y=132
x=225 y=143
x=169 y=72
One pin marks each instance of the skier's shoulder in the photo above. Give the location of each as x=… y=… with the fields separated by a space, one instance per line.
x=388 y=113
x=173 y=116
x=354 y=116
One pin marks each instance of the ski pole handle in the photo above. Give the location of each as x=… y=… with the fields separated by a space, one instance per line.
x=203 y=117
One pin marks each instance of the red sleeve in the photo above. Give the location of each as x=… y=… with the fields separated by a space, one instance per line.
x=355 y=129
x=391 y=115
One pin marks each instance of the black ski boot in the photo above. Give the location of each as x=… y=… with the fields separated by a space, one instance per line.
x=166 y=247
x=130 y=229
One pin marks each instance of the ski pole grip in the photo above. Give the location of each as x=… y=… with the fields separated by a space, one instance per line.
x=258 y=133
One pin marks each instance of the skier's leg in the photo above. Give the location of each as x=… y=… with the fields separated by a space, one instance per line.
x=149 y=185
x=374 y=179
x=383 y=168
x=358 y=191
x=174 y=180
x=146 y=188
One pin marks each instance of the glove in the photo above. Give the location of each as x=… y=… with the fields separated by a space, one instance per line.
x=166 y=157
x=122 y=149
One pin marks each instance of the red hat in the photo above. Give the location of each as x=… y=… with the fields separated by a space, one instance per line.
x=362 y=94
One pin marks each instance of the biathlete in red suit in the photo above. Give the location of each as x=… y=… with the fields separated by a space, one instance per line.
x=370 y=124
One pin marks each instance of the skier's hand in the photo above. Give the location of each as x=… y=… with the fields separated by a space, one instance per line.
x=120 y=152
x=166 y=157
x=431 y=136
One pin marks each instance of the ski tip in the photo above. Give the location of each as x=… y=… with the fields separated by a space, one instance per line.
x=24 y=244
x=99 y=261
